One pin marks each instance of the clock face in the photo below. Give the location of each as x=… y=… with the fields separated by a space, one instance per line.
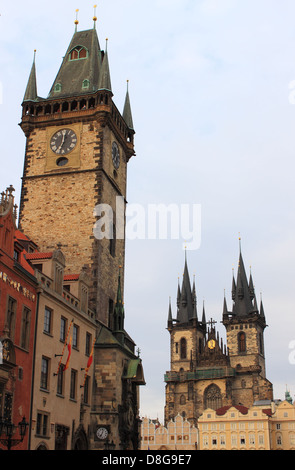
x=115 y=155
x=211 y=344
x=63 y=141
x=102 y=433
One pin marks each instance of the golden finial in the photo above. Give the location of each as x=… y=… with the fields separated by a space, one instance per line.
x=76 y=20
x=94 y=17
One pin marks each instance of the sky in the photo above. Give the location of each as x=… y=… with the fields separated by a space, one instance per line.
x=212 y=91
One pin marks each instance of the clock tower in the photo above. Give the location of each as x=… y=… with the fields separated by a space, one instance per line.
x=78 y=146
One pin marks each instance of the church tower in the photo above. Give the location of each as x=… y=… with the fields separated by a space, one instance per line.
x=245 y=326
x=206 y=373
x=78 y=145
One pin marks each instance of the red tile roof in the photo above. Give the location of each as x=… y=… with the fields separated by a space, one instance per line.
x=242 y=409
x=36 y=255
x=71 y=277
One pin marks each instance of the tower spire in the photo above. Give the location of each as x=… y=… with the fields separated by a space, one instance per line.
x=31 y=90
x=127 y=115
x=105 y=78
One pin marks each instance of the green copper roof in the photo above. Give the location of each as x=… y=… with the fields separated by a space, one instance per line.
x=135 y=371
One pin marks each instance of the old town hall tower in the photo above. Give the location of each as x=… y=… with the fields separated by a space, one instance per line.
x=206 y=373
x=77 y=151
x=78 y=146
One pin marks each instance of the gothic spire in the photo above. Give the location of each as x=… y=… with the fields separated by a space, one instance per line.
x=127 y=115
x=31 y=90
x=105 y=77
x=185 y=311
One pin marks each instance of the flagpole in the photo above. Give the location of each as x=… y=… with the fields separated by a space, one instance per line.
x=66 y=340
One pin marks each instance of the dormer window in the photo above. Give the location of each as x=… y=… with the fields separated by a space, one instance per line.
x=85 y=84
x=78 y=53
x=57 y=88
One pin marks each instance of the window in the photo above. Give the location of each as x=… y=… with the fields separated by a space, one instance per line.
x=242 y=440
x=88 y=344
x=242 y=342
x=213 y=397
x=222 y=440
x=42 y=424
x=44 y=373
x=182 y=400
x=112 y=246
x=25 y=333
x=252 y=439
x=73 y=386
x=11 y=314
x=75 y=336
x=278 y=426
x=214 y=441
x=63 y=324
x=85 y=84
x=86 y=390
x=60 y=380
x=183 y=348
x=57 y=88
x=47 y=320
x=78 y=53
x=261 y=439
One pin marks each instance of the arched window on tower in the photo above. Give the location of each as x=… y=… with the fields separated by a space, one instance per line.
x=79 y=52
x=183 y=348
x=241 y=342
x=212 y=397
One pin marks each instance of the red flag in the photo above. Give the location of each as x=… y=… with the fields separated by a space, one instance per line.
x=69 y=354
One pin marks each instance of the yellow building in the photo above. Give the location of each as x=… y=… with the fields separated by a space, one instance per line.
x=283 y=427
x=265 y=426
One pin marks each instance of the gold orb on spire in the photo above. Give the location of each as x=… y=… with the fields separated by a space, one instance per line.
x=94 y=17
x=76 y=20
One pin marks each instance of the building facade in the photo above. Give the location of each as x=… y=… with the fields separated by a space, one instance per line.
x=65 y=334
x=73 y=198
x=179 y=434
x=204 y=372
x=18 y=303
x=264 y=426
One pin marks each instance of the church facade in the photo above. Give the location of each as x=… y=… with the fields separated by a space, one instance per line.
x=205 y=373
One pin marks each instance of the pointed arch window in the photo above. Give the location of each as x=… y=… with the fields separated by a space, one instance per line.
x=242 y=342
x=183 y=348
x=212 y=397
x=79 y=52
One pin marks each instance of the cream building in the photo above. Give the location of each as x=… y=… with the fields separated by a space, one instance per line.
x=65 y=333
x=179 y=434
